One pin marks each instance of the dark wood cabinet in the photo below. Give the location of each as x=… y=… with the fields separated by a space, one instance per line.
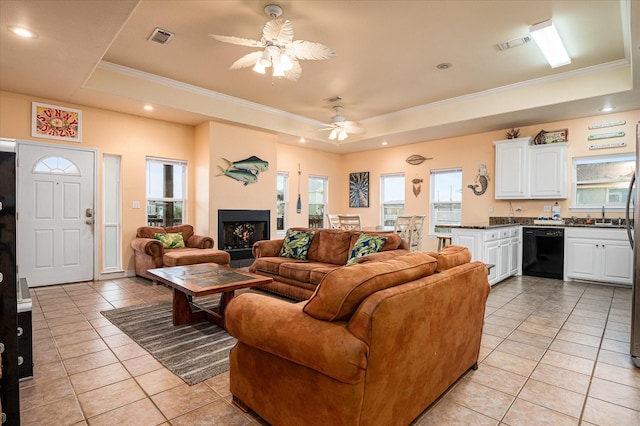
x=9 y=389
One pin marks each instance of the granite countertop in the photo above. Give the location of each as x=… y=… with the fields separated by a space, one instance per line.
x=566 y=225
x=484 y=226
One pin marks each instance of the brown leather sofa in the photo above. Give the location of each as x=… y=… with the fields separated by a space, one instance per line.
x=376 y=344
x=149 y=253
x=329 y=250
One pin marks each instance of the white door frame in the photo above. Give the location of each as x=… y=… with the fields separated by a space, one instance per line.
x=93 y=151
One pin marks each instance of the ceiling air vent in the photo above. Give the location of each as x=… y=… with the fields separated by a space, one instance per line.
x=513 y=43
x=160 y=36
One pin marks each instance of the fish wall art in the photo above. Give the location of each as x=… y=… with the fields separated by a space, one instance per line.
x=245 y=171
x=482 y=180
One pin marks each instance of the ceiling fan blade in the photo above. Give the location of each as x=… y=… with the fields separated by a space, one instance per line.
x=278 y=30
x=248 y=60
x=238 y=40
x=311 y=50
x=295 y=72
x=353 y=129
x=326 y=128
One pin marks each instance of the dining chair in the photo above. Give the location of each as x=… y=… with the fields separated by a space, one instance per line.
x=332 y=221
x=416 y=232
x=350 y=222
x=403 y=227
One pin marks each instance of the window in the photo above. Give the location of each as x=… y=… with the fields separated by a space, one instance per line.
x=282 y=197
x=391 y=197
x=446 y=200
x=602 y=181
x=111 y=218
x=56 y=166
x=317 y=200
x=166 y=191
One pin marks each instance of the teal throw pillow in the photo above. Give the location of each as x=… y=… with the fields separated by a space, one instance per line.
x=296 y=244
x=365 y=244
x=171 y=240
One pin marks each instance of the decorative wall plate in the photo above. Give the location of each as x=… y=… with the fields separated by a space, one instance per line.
x=55 y=122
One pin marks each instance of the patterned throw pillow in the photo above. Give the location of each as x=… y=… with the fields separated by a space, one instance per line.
x=365 y=244
x=170 y=241
x=296 y=244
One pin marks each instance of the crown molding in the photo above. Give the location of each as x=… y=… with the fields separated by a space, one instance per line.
x=175 y=84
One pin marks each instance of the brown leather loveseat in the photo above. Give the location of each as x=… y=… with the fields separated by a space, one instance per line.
x=150 y=254
x=376 y=344
x=329 y=250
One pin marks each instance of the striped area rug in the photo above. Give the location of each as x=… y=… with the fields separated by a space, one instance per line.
x=194 y=352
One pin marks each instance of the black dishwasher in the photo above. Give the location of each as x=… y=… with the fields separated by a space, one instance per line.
x=543 y=252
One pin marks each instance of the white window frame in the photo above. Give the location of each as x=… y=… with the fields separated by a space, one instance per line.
x=432 y=214
x=285 y=202
x=384 y=203
x=111 y=213
x=607 y=158
x=168 y=161
x=325 y=197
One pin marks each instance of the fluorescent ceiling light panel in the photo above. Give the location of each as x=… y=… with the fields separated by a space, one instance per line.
x=548 y=40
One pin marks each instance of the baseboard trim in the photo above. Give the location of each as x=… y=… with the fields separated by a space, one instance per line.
x=115 y=275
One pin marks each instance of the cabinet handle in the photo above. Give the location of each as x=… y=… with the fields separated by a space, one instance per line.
x=20 y=331
x=20 y=360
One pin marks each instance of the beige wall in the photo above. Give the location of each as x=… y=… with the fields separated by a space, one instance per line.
x=311 y=163
x=468 y=152
x=236 y=143
x=131 y=137
x=204 y=146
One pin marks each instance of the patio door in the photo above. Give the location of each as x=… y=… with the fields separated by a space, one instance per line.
x=55 y=214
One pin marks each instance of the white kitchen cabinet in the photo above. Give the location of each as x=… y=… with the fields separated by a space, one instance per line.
x=525 y=171
x=548 y=171
x=499 y=246
x=511 y=178
x=602 y=255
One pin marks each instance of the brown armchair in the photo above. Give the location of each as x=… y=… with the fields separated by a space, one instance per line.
x=149 y=253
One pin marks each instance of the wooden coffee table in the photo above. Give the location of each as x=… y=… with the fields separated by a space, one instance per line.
x=191 y=281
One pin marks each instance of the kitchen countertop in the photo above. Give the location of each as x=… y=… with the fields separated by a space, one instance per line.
x=484 y=226
x=566 y=225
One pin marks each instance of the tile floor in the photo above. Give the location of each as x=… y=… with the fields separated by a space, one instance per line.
x=552 y=353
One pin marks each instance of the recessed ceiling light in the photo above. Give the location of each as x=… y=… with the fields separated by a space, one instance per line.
x=22 y=32
x=302 y=140
x=607 y=108
x=148 y=107
x=444 y=66
x=385 y=143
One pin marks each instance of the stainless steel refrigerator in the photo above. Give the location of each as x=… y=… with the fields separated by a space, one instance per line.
x=633 y=203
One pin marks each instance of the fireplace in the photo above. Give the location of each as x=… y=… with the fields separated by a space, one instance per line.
x=239 y=229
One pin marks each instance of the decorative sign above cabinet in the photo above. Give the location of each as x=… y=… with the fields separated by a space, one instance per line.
x=608 y=145
x=607 y=124
x=606 y=136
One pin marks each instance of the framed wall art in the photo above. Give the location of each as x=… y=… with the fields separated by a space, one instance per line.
x=359 y=189
x=56 y=122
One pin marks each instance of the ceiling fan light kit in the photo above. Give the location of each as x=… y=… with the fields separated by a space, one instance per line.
x=279 y=50
x=340 y=128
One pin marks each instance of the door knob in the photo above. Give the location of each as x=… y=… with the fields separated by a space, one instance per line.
x=88 y=222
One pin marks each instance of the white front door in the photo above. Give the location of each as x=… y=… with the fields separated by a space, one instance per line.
x=55 y=214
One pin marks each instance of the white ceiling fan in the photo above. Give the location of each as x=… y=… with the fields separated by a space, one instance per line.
x=279 y=49
x=340 y=127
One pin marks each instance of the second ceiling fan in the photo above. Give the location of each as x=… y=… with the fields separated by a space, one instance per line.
x=341 y=128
